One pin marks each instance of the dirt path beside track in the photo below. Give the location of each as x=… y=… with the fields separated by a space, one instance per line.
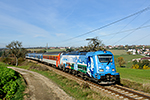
x=40 y=87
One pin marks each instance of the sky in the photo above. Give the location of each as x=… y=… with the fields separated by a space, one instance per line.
x=60 y=23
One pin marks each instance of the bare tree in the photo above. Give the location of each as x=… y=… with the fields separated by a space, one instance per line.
x=15 y=47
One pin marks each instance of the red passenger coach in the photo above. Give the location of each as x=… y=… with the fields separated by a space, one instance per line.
x=52 y=58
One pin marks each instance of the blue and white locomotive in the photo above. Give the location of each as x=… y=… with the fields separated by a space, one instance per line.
x=98 y=66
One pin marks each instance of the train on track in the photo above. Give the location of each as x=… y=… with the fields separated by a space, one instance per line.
x=98 y=66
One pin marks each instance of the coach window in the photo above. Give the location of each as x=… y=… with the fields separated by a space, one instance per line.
x=80 y=67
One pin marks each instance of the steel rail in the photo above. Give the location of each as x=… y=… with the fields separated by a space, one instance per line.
x=132 y=91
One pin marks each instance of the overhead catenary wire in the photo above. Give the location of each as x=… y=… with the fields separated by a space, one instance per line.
x=124 y=27
x=141 y=38
x=126 y=31
x=126 y=24
x=141 y=11
x=138 y=28
x=131 y=32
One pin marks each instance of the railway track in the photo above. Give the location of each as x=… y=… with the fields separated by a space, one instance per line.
x=112 y=91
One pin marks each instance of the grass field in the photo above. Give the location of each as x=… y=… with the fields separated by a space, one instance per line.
x=138 y=79
x=123 y=53
x=136 y=75
x=128 y=59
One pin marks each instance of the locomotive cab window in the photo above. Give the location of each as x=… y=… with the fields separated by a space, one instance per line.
x=105 y=58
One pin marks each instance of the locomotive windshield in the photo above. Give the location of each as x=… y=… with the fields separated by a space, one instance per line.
x=105 y=58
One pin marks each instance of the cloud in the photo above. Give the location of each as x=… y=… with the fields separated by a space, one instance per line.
x=41 y=15
x=9 y=23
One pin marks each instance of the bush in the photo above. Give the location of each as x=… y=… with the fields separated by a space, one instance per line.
x=20 y=60
x=135 y=62
x=121 y=61
x=8 y=82
x=6 y=60
x=145 y=67
x=144 y=64
x=136 y=66
x=11 y=60
x=129 y=53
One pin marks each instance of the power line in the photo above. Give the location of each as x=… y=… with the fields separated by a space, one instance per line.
x=124 y=26
x=126 y=31
x=113 y=33
x=110 y=23
x=131 y=32
x=141 y=38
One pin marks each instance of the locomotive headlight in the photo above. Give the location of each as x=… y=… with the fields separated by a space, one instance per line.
x=113 y=69
x=101 y=70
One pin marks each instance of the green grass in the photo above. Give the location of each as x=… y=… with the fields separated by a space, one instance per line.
x=128 y=59
x=136 y=75
x=79 y=92
x=138 y=79
x=3 y=64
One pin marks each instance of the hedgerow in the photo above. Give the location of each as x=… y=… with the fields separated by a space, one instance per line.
x=144 y=64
